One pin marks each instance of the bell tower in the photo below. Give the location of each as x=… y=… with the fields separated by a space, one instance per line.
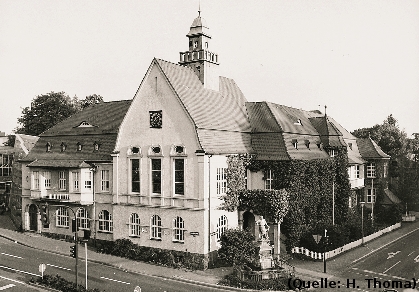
x=199 y=57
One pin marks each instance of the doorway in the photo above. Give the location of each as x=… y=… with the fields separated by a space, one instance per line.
x=249 y=222
x=33 y=217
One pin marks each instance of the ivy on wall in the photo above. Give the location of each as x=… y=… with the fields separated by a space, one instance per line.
x=303 y=196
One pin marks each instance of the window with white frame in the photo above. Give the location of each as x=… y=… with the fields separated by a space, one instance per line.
x=134 y=225
x=6 y=164
x=35 y=180
x=135 y=175
x=269 y=179
x=221 y=180
x=156 y=227
x=105 y=221
x=179 y=176
x=88 y=180
x=332 y=152
x=156 y=176
x=47 y=179
x=371 y=195
x=62 y=181
x=178 y=229
x=76 y=178
x=62 y=218
x=385 y=169
x=82 y=218
x=221 y=226
x=104 y=180
x=356 y=171
x=371 y=170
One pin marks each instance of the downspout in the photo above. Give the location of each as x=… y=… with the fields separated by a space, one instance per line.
x=209 y=204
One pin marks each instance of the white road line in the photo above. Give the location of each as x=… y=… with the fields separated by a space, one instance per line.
x=392 y=267
x=7 y=286
x=58 y=267
x=20 y=271
x=13 y=280
x=10 y=255
x=410 y=253
x=115 y=280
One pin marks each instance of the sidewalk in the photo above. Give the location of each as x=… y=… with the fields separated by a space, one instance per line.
x=210 y=277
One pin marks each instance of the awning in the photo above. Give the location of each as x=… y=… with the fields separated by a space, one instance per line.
x=63 y=163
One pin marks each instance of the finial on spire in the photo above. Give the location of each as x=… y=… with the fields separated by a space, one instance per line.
x=199 y=9
x=325 y=107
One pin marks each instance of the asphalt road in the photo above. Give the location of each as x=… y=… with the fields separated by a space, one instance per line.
x=24 y=262
x=396 y=266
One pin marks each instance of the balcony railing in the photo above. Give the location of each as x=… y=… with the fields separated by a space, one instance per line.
x=356 y=183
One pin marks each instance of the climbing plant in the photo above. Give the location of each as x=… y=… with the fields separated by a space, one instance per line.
x=302 y=196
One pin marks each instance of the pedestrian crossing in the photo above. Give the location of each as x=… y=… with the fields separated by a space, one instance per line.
x=6 y=287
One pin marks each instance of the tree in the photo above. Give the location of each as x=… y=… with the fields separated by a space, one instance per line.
x=91 y=99
x=46 y=111
x=238 y=247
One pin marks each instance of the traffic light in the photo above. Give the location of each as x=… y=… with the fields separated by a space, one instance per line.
x=44 y=214
x=74 y=225
x=86 y=234
x=73 y=251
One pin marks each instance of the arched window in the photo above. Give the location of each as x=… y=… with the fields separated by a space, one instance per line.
x=155 y=227
x=178 y=229
x=82 y=218
x=221 y=226
x=105 y=221
x=62 y=217
x=134 y=225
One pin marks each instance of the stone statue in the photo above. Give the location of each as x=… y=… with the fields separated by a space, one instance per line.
x=263 y=228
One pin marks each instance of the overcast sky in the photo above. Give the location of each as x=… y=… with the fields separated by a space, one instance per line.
x=360 y=58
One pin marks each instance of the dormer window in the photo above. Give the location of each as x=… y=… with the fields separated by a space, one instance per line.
x=307 y=143
x=332 y=152
x=350 y=145
x=96 y=146
x=63 y=147
x=195 y=44
x=48 y=147
x=79 y=146
x=298 y=123
x=319 y=145
x=84 y=124
x=295 y=143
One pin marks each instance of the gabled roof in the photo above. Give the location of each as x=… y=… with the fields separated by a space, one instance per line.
x=25 y=142
x=370 y=150
x=220 y=116
x=105 y=117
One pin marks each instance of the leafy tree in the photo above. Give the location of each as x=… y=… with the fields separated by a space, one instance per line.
x=45 y=111
x=10 y=141
x=238 y=247
x=91 y=99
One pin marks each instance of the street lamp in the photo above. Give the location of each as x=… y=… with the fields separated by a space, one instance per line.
x=362 y=220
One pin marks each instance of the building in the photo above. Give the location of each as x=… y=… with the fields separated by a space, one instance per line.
x=153 y=169
x=6 y=160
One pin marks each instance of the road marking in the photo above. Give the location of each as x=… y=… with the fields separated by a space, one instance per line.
x=416 y=259
x=410 y=253
x=7 y=286
x=392 y=266
x=392 y=254
x=20 y=271
x=58 y=267
x=13 y=280
x=115 y=280
x=10 y=255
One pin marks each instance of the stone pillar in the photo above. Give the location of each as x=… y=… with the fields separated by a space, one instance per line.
x=277 y=239
x=26 y=221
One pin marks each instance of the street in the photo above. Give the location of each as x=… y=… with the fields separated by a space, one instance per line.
x=394 y=266
x=24 y=262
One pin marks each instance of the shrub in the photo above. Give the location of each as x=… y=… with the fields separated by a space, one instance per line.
x=59 y=283
x=269 y=284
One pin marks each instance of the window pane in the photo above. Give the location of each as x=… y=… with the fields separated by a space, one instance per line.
x=135 y=173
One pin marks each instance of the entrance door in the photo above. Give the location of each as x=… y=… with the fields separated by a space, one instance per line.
x=249 y=222
x=33 y=217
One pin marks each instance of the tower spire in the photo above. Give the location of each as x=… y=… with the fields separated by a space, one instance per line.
x=199 y=9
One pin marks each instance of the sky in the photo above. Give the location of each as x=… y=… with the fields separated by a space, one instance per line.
x=360 y=58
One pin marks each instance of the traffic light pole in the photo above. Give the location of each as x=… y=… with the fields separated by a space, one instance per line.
x=77 y=256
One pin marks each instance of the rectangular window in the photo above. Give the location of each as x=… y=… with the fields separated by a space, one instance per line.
x=371 y=195
x=75 y=176
x=35 y=184
x=221 y=180
x=62 y=217
x=47 y=179
x=135 y=175
x=356 y=171
x=269 y=178
x=88 y=180
x=5 y=165
x=156 y=176
x=179 y=180
x=104 y=180
x=62 y=182
x=371 y=170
